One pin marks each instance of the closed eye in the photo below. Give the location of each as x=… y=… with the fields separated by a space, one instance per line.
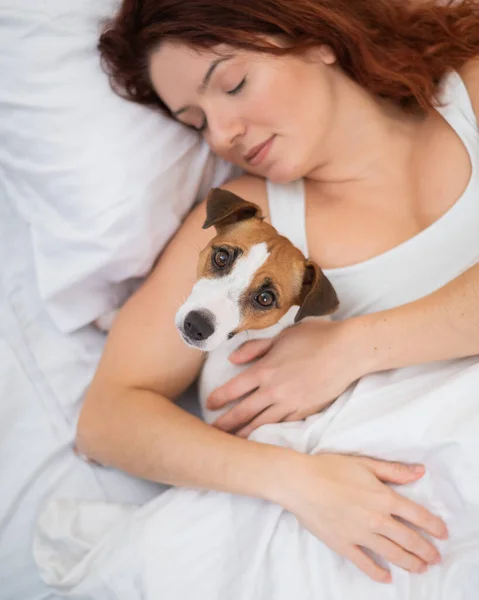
x=232 y=92
x=193 y=124
x=199 y=129
x=202 y=128
x=237 y=88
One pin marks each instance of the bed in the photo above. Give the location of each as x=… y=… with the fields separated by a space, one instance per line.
x=82 y=219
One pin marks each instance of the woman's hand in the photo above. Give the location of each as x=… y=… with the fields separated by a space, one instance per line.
x=342 y=501
x=298 y=373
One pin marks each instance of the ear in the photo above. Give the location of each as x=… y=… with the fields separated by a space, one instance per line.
x=317 y=294
x=224 y=208
x=327 y=54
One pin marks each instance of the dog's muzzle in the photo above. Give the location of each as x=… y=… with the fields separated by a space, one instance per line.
x=209 y=314
x=198 y=326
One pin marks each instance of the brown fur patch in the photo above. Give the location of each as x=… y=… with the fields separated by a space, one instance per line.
x=284 y=268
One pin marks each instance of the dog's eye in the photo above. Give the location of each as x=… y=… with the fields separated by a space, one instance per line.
x=221 y=258
x=265 y=299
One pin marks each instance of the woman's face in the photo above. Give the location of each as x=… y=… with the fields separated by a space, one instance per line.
x=269 y=115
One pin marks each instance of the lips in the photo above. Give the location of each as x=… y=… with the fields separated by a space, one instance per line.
x=255 y=155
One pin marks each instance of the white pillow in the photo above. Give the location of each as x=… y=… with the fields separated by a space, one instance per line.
x=102 y=182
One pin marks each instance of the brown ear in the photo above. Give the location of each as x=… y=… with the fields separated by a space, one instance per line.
x=317 y=294
x=224 y=208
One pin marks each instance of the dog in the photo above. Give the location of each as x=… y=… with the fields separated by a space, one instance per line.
x=249 y=276
x=251 y=282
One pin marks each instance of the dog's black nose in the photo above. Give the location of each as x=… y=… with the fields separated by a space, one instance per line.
x=198 y=325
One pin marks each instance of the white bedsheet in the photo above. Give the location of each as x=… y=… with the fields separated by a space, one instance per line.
x=43 y=375
x=212 y=546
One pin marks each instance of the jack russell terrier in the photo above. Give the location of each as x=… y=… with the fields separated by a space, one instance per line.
x=252 y=283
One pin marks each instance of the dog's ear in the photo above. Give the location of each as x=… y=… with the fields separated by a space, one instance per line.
x=317 y=294
x=224 y=208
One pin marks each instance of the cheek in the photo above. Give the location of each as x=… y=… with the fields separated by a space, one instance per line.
x=272 y=101
x=267 y=97
x=296 y=109
x=310 y=93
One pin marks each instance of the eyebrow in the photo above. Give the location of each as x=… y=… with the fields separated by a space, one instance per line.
x=205 y=82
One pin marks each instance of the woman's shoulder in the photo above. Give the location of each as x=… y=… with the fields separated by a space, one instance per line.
x=250 y=188
x=470 y=75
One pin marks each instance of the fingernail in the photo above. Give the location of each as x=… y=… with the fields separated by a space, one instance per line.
x=423 y=568
x=418 y=468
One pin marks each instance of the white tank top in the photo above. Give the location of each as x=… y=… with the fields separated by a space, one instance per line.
x=422 y=264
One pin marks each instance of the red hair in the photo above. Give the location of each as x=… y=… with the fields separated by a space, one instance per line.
x=395 y=49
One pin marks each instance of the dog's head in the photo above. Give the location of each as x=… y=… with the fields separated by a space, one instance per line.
x=249 y=276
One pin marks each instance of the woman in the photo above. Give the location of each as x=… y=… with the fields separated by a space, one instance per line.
x=340 y=98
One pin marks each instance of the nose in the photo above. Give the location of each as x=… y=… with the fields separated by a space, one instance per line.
x=224 y=129
x=199 y=325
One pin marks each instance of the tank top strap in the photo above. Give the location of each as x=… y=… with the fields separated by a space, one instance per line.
x=456 y=107
x=287 y=210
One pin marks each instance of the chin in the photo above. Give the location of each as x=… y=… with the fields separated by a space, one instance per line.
x=284 y=174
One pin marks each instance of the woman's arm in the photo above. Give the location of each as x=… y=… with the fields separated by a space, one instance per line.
x=128 y=420
x=441 y=326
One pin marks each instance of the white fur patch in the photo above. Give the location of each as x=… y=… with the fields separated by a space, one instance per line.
x=221 y=296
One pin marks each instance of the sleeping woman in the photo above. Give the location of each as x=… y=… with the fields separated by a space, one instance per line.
x=356 y=125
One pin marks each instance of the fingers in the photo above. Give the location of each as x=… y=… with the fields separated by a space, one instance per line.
x=402 y=507
x=250 y=351
x=396 y=555
x=419 y=516
x=411 y=541
x=235 y=388
x=273 y=414
x=243 y=413
x=394 y=472
x=367 y=565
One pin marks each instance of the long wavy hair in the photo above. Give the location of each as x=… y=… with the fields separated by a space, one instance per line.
x=395 y=49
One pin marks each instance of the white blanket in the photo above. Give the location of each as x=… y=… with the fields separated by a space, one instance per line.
x=214 y=546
